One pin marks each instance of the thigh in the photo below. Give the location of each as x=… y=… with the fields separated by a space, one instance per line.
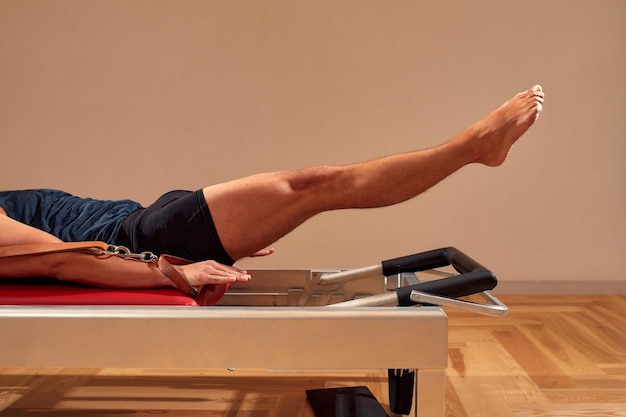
x=179 y=223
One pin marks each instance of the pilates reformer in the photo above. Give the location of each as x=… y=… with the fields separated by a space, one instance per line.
x=298 y=319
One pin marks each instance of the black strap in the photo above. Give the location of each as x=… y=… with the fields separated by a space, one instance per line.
x=401 y=388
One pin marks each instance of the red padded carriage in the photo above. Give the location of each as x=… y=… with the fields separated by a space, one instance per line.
x=68 y=294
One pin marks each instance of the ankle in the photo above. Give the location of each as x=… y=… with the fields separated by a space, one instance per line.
x=468 y=147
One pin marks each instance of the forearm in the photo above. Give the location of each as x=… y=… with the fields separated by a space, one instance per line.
x=100 y=271
x=110 y=271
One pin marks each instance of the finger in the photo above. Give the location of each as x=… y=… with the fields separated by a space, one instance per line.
x=231 y=274
x=224 y=279
x=263 y=252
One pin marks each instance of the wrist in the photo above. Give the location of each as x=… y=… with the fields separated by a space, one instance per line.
x=166 y=264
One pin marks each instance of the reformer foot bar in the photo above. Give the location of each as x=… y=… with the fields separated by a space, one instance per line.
x=282 y=319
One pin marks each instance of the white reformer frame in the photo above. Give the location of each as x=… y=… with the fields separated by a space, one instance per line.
x=256 y=338
x=285 y=313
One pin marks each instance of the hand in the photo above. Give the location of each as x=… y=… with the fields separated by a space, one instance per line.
x=211 y=272
x=263 y=252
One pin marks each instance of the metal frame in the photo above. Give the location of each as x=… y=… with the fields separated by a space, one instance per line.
x=494 y=307
x=283 y=319
x=310 y=338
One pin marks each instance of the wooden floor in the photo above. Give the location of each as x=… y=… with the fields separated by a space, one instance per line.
x=552 y=356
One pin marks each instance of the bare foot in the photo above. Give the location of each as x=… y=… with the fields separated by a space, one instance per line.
x=492 y=137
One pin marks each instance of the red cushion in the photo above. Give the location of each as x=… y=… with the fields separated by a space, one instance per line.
x=60 y=294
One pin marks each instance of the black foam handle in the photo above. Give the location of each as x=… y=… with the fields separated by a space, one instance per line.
x=417 y=262
x=461 y=262
x=456 y=286
x=432 y=259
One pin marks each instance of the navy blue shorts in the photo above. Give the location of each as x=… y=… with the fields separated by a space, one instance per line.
x=179 y=223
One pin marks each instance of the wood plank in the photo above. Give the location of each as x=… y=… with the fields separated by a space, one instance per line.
x=564 y=355
x=543 y=371
x=571 y=410
x=587 y=395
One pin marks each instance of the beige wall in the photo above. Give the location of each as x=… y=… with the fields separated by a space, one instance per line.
x=117 y=99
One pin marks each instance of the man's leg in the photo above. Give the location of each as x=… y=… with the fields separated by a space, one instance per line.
x=253 y=212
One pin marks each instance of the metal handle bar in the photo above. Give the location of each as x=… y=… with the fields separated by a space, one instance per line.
x=494 y=308
x=412 y=263
x=455 y=286
x=432 y=259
